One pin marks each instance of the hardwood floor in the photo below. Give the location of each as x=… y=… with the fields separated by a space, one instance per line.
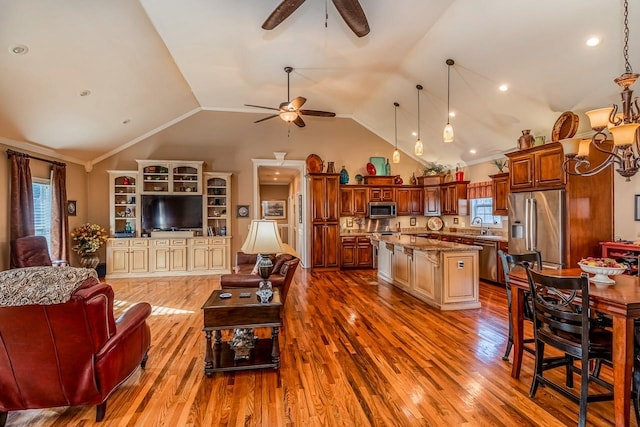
x=354 y=352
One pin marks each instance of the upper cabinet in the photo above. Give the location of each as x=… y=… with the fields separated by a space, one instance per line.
x=382 y=194
x=409 y=200
x=500 y=183
x=538 y=168
x=175 y=177
x=218 y=203
x=454 y=198
x=353 y=200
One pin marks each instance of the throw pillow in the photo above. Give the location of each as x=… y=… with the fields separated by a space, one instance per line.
x=280 y=260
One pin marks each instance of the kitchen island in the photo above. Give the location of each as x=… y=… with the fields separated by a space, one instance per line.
x=442 y=274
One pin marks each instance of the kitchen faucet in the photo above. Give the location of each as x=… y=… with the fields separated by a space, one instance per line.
x=482 y=229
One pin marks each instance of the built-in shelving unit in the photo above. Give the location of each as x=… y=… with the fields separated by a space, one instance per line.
x=123 y=202
x=217 y=203
x=170 y=177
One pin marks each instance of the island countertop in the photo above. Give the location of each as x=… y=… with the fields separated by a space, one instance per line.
x=424 y=244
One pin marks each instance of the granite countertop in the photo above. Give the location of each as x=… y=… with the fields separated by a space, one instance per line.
x=424 y=244
x=414 y=231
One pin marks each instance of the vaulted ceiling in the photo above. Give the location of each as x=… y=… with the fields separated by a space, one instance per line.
x=148 y=64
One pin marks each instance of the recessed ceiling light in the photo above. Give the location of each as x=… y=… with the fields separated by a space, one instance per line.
x=275 y=179
x=593 y=41
x=277 y=172
x=126 y=121
x=414 y=133
x=19 y=49
x=473 y=151
x=503 y=88
x=452 y=114
x=85 y=92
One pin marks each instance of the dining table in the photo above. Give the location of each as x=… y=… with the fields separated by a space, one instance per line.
x=620 y=300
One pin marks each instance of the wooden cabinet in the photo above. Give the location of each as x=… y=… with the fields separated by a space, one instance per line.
x=424 y=275
x=357 y=252
x=353 y=201
x=409 y=201
x=454 y=198
x=504 y=247
x=126 y=256
x=124 y=208
x=382 y=194
x=537 y=168
x=500 y=184
x=325 y=228
x=209 y=254
x=172 y=177
x=168 y=255
x=432 y=201
x=385 y=261
x=402 y=267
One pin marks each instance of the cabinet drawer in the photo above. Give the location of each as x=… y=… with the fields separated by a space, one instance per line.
x=178 y=242
x=200 y=241
x=349 y=240
x=217 y=241
x=139 y=243
x=119 y=243
x=160 y=242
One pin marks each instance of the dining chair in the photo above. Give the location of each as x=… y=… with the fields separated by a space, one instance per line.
x=509 y=262
x=563 y=323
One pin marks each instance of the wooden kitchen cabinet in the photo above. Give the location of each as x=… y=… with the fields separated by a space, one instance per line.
x=382 y=194
x=353 y=201
x=357 y=252
x=537 y=168
x=432 y=201
x=500 y=184
x=504 y=247
x=454 y=196
x=325 y=227
x=409 y=201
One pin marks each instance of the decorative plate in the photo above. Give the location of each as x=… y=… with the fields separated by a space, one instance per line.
x=379 y=163
x=314 y=163
x=371 y=169
x=565 y=127
x=435 y=223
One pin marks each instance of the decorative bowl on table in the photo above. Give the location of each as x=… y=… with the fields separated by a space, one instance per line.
x=602 y=268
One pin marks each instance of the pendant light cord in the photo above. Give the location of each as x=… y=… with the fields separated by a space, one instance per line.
x=627 y=66
x=395 y=118
x=419 y=87
x=448 y=90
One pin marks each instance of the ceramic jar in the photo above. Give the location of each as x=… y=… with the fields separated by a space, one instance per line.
x=526 y=140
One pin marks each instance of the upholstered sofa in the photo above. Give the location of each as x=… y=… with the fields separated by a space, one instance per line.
x=284 y=267
x=59 y=342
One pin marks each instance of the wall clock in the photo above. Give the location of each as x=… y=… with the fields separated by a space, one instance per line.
x=243 y=211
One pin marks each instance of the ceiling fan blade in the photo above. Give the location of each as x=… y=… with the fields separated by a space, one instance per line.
x=282 y=12
x=353 y=15
x=297 y=102
x=260 y=106
x=299 y=122
x=267 y=118
x=317 y=113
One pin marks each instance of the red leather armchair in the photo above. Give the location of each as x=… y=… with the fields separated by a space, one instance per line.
x=33 y=251
x=72 y=353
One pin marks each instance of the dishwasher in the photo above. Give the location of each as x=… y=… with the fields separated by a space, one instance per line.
x=487 y=259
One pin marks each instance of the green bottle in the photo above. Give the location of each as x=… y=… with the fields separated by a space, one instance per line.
x=387 y=168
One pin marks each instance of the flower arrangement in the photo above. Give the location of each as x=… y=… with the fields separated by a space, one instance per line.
x=88 y=238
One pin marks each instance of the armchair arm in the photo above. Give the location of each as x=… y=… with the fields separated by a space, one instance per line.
x=127 y=323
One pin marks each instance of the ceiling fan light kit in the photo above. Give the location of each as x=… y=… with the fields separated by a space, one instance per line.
x=447 y=133
x=624 y=154
x=290 y=111
x=396 y=154
x=419 y=147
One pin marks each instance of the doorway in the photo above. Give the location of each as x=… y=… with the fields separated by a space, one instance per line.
x=276 y=181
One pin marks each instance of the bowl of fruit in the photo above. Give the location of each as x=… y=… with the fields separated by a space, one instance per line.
x=602 y=268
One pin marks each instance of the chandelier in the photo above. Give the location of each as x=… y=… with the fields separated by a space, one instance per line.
x=624 y=153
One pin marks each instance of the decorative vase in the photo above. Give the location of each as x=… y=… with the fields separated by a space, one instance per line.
x=387 y=168
x=330 y=168
x=344 y=176
x=413 y=179
x=526 y=140
x=89 y=260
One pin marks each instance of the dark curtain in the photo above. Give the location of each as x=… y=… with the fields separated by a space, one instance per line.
x=59 y=219
x=21 y=217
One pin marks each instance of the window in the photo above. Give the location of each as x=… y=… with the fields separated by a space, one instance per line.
x=483 y=208
x=42 y=208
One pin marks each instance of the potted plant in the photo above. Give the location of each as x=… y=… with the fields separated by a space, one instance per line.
x=501 y=164
x=88 y=238
x=434 y=168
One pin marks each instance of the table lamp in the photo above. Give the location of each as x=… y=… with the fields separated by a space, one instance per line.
x=263 y=239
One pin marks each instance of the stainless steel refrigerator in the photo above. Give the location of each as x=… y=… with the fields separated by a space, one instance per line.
x=536 y=223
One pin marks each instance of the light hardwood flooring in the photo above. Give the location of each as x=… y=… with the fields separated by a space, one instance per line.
x=355 y=352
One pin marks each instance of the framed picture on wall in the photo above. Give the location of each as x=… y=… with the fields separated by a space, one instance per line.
x=72 y=207
x=637 y=208
x=274 y=209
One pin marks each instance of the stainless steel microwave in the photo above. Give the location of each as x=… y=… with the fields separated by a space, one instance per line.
x=382 y=210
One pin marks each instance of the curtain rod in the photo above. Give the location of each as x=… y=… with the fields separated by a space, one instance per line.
x=19 y=154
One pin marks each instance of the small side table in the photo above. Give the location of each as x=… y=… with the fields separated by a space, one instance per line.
x=235 y=313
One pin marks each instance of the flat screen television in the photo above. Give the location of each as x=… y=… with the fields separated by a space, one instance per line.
x=171 y=212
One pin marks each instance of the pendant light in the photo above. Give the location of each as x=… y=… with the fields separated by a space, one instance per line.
x=419 y=148
x=447 y=134
x=396 y=153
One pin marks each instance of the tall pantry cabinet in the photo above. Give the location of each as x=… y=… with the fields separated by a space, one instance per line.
x=325 y=221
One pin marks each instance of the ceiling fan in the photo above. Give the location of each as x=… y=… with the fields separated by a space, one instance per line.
x=290 y=111
x=350 y=10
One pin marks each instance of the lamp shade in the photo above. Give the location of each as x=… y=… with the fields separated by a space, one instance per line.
x=599 y=118
x=447 y=134
x=288 y=116
x=583 y=148
x=624 y=135
x=570 y=145
x=263 y=238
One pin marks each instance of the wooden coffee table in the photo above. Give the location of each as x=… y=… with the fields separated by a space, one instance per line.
x=235 y=313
